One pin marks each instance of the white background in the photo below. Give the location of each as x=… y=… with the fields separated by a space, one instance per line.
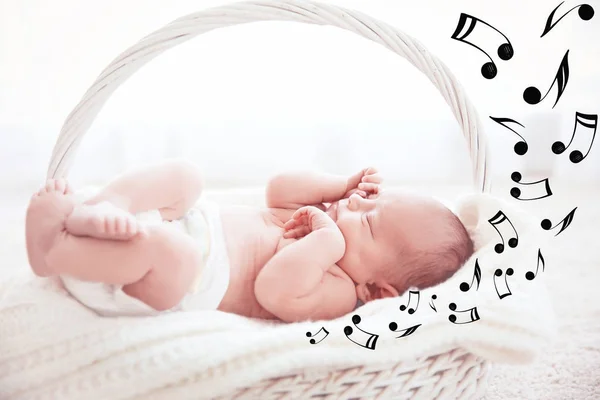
x=248 y=101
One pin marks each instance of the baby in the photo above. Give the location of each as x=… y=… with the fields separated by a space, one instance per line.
x=144 y=244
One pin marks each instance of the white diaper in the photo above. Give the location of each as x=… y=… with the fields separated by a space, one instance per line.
x=203 y=223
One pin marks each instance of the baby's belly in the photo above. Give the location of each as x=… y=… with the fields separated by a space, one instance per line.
x=252 y=237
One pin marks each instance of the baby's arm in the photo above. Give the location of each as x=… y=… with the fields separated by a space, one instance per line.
x=297 y=189
x=299 y=283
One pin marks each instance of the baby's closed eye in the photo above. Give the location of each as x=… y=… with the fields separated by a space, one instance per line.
x=367 y=221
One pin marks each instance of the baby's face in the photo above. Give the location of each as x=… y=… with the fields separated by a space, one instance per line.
x=372 y=227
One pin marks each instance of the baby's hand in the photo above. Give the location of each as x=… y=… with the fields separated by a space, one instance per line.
x=365 y=183
x=306 y=220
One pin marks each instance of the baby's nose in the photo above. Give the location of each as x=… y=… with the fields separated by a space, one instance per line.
x=354 y=201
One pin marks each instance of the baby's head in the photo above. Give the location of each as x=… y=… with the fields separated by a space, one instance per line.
x=397 y=240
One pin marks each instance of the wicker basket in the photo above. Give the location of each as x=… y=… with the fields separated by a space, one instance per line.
x=449 y=374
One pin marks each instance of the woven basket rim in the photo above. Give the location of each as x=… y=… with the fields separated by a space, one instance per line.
x=305 y=11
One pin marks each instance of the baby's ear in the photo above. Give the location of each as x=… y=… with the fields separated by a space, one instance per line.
x=364 y=293
x=373 y=291
x=382 y=290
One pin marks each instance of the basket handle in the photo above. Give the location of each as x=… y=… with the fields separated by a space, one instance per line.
x=187 y=27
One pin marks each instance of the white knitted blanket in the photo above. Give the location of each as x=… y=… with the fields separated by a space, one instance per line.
x=51 y=347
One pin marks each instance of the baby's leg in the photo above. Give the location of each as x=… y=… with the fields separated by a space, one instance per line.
x=156 y=267
x=171 y=187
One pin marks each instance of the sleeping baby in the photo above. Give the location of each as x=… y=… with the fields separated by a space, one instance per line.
x=147 y=243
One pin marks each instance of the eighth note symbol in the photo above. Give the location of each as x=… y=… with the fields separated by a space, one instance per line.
x=464 y=287
x=516 y=192
x=547 y=224
x=473 y=315
x=431 y=303
x=586 y=12
x=411 y=310
x=365 y=339
x=313 y=341
x=521 y=146
x=530 y=275
x=532 y=95
x=498 y=219
x=405 y=332
x=506 y=290
x=505 y=50
x=586 y=120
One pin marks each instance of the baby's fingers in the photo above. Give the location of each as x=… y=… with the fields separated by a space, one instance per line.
x=303 y=212
x=361 y=193
x=300 y=231
x=375 y=178
x=369 y=187
x=296 y=220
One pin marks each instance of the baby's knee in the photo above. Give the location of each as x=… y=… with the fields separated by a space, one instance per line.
x=187 y=173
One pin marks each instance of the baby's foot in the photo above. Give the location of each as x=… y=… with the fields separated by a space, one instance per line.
x=102 y=221
x=45 y=221
x=55 y=187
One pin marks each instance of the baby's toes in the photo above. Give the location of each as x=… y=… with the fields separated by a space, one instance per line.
x=128 y=226
x=124 y=227
x=52 y=185
x=109 y=225
x=60 y=185
x=115 y=226
x=132 y=226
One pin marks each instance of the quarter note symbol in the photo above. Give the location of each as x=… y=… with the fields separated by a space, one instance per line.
x=589 y=121
x=466 y=25
x=411 y=310
x=540 y=260
x=431 y=303
x=505 y=289
x=542 y=185
x=466 y=316
x=405 y=332
x=532 y=95
x=586 y=12
x=360 y=337
x=498 y=220
x=521 y=146
x=324 y=334
x=465 y=286
x=547 y=224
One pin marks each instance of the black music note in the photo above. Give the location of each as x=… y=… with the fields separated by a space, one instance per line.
x=506 y=290
x=313 y=341
x=405 y=332
x=473 y=315
x=411 y=310
x=498 y=219
x=532 y=95
x=547 y=224
x=586 y=120
x=367 y=340
x=465 y=286
x=516 y=192
x=521 y=146
x=586 y=12
x=431 y=303
x=530 y=275
x=505 y=50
